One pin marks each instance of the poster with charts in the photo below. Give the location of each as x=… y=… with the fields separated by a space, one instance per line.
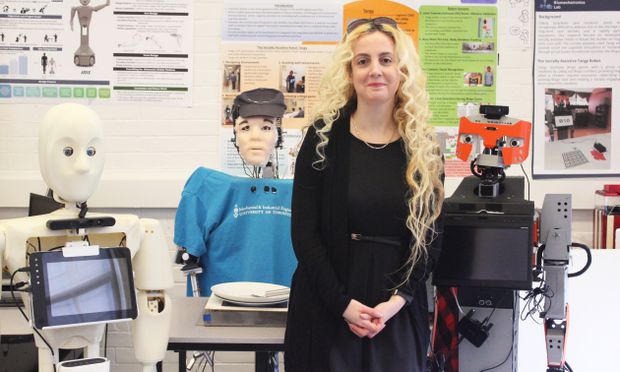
x=100 y=51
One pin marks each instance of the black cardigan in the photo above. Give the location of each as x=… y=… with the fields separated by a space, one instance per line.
x=321 y=243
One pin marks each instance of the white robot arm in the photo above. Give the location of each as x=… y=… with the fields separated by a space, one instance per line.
x=153 y=276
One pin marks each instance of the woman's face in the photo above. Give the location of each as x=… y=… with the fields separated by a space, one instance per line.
x=374 y=69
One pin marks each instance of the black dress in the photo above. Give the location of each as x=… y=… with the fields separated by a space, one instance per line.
x=324 y=281
x=377 y=207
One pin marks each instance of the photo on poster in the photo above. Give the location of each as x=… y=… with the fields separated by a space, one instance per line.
x=227 y=104
x=472 y=79
x=292 y=78
x=489 y=76
x=467 y=108
x=231 y=80
x=87 y=15
x=295 y=107
x=577 y=128
x=485 y=28
x=477 y=47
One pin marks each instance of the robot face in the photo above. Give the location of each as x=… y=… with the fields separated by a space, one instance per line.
x=84 y=2
x=71 y=153
x=256 y=138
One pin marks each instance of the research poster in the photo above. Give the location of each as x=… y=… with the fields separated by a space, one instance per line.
x=291 y=55
x=119 y=51
x=457 y=45
x=458 y=52
x=576 y=85
x=293 y=68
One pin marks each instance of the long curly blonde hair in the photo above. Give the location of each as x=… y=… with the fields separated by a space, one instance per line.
x=411 y=115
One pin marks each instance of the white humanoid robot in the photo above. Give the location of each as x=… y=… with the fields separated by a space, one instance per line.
x=71 y=156
x=84 y=55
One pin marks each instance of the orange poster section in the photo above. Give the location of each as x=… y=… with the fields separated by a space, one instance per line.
x=407 y=18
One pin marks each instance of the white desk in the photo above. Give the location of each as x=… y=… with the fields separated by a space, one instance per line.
x=594 y=299
x=188 y=333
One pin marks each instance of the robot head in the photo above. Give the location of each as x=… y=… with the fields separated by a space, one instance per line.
x=505 y=140
x=71 y=153
x=84 y=2
x=257 y=116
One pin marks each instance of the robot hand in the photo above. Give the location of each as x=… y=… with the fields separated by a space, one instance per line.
x=191 y=268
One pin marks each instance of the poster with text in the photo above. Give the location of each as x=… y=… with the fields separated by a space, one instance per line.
x=101 y=51
x=457 y=46
x=291 y=55
x=576 y=129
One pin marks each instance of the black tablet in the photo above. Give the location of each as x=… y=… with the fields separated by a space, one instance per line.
x=86 y=289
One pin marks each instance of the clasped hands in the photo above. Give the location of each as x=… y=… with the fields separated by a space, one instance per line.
x=365 y=321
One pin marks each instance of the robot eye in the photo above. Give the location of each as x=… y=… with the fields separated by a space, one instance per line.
x=91 y=151
x=68 y=151
x=466 y=138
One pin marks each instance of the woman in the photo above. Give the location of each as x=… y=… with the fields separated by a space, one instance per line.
x=366 y=198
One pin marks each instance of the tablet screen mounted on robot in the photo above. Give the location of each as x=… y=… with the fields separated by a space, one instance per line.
x=86 y=289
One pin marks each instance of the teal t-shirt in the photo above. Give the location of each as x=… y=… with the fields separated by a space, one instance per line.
x=239 y=227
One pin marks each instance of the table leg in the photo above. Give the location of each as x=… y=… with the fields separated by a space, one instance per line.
x=266 y=361
x=182 y=360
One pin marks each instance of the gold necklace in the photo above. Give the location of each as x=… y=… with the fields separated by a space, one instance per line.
x=374 y=147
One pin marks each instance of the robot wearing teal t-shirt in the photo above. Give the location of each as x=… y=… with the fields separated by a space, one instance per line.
x=233 y=228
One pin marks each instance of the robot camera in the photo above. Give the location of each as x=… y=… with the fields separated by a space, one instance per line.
x=493 y=112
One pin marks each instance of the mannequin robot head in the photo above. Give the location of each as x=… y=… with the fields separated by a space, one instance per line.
x=71 y=153
x=257 y=130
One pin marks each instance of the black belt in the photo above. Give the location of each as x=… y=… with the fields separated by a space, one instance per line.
x=387 y=240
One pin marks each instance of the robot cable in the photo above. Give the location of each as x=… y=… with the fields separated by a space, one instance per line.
x=509 y=351
x=588 y=263
x=527 y=180
x=534 y=301
x=19 y=307
x=83 y=210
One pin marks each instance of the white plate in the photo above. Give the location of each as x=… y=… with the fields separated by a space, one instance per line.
x=244 y=292
x=245 y=303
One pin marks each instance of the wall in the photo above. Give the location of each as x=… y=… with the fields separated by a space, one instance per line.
x=153 y=150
